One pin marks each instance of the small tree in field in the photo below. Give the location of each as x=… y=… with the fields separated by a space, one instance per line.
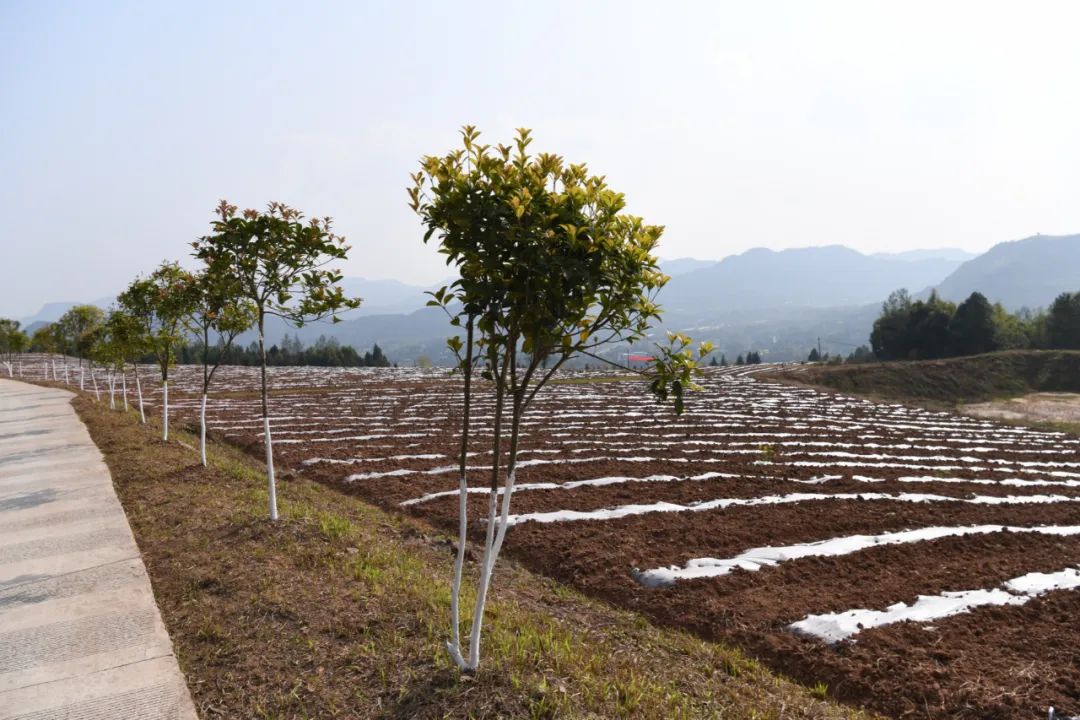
x=13 y=342
x=77 y=331
x=219 y=310
x=279 y=263
x=550 y=267
x=107 y=352
x=126 y=342
x=45 y=340
x=159 y=304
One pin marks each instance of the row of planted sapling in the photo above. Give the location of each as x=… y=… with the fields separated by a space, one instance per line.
x=549 y=266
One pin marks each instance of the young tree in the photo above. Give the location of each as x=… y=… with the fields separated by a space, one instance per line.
x=160 y=303
x=44 y=341
x=77 y=331
x=550 y=267
x=126 y=335
x=107 y=352
x=221 y=310
x=814 y=356
x=13 y=342
x=279 y=263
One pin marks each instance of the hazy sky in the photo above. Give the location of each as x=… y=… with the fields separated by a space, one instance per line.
x=883 y=126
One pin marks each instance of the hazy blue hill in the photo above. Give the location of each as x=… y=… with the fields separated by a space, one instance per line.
x=776 y=302
x=681 y=266
x=830 y=276
x=384 y=296
x=51 y=312
x=955 y=255
x=1029 y=272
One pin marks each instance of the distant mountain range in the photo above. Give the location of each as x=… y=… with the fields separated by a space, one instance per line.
x=820 y=277
x=777 y=302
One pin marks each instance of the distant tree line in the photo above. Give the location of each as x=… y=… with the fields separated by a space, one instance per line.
x=753 y=357
x=862 y=353
x=326 y=352
x=910 y=329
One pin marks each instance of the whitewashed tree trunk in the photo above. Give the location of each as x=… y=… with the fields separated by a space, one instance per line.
x=123 y=385
x=93 y=379
x=491 y=554
x=55 y=377
x=111 y=379
x=165 y=410
x=270 y=468
x=20 y=367
x=138 y=389
x=82 y=376
x=67 y=381
x=11 y=371
x=272 y=485
x=481 y=589
x=454 y=646
x=202 y=430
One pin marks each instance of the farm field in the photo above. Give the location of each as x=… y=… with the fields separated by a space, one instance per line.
x=920 y=563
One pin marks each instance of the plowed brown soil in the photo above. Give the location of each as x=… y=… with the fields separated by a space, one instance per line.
x=996 y=662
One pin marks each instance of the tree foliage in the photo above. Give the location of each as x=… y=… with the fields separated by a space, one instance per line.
x=918 y=329
x=550 y=266
x=218 y=308
x=971 y=328
x=159 y=305
x=13 y=340
x=44 y=339
x=1063 y=321
x=912 y=329
x=278 y=261
x=78 y=328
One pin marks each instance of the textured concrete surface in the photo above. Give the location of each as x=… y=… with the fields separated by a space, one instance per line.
x=80 y=634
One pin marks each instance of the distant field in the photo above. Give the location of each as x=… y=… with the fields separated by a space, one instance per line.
x=801 y=525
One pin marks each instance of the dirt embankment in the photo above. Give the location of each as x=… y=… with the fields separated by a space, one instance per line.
x=952 y=381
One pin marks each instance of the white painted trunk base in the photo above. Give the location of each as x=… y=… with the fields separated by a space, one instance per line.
x=138 y=389
x=454 y=645
x=493 y=541
x=165 y=411
x=202 y=430
x=270 y=468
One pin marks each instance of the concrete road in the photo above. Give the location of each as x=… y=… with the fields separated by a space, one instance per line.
x=81 y=637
